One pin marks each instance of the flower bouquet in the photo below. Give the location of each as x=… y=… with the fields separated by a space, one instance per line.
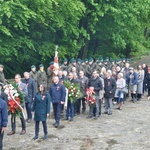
x=15 y=99
x=90 y=98
x=74 y=92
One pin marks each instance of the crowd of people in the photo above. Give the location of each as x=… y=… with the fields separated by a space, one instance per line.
x=112 y=82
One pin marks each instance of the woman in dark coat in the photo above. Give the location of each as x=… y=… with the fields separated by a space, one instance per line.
x=41 y=107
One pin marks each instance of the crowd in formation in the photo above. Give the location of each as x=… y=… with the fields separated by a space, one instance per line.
x=111 y=81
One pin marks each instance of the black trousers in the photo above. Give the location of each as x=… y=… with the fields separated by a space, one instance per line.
x=37 y=123
x=28 y=108
x=78 y=105
x=13 y=122
x=1 y=140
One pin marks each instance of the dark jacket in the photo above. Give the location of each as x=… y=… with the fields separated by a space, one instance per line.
x=4 y=96
x=57 y=92
x=148 y=80
x=3 y=113
x=133 y=78
x=41 y=106
x=83 y=84
x=31 y=86
x=109 y=87
x=96 y=83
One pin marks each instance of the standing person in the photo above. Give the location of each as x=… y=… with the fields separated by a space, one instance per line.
x=2 y=76
x=140 y=81
x=50 y=74
x=83 y=85
x=33 y=74
x=144 y=66
x=3 y=95
x=23 y=88
x=31 y=94
x=96 y=85
x=3 y=120
x=109 y=90
x=72 y=107
x=148 y=81
x=41 y=76
x=119 y=95
x=41 y=107
x=133 y=83
x=57 y=92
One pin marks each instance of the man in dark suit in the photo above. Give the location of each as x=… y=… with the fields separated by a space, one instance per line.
x=58 y=93
x=23 y=88
x=31 y=86
x=2 y=94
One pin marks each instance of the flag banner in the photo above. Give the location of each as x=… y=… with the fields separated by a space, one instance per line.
x=56 y=64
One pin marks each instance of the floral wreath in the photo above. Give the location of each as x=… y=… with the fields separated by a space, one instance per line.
x=15 y=99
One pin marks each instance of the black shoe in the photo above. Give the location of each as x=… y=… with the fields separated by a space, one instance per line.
x=56 y=125
x=35 y=138
x=110 y=113
x=71 y=119
x=29 y=121
x=95 y=118
x=66 y=118
x=89 y=117
x=105 y=112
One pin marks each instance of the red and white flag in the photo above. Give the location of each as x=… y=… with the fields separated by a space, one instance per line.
x=56 y=64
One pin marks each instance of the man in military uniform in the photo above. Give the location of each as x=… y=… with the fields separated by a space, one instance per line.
x=41 y=76
x=90 y=68
x=2 y=76
x=72 y=64
x=64 y=65
x=83 y=85
x=50 y=74
x=99 y=67
x=33 y=74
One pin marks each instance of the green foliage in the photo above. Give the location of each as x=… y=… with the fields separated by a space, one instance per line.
x=82 y=28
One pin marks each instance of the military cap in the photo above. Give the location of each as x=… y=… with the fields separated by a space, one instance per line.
x=51 y=63
x=107 y=59
x=85 y=59
x=1 y=66
x=82 y=61
x=79 y=59
x=91 y=59
x=33 y=66
x=41 y=65
x=101 y=59
x=128 y=60
x=65 y=60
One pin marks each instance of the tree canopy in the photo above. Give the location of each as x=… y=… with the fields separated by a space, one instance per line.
x=82 y=28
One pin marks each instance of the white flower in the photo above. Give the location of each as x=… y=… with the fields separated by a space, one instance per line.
x=16 y=95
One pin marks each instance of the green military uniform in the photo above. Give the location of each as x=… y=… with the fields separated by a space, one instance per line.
x=90 y=68
x=50 y=74
x=41 y=77
x=33 y=74
x=64 y=66
x=72 y=64
x=2 y=76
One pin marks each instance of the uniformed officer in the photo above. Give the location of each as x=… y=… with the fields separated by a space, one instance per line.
x=41 y=76
x=2 y=76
